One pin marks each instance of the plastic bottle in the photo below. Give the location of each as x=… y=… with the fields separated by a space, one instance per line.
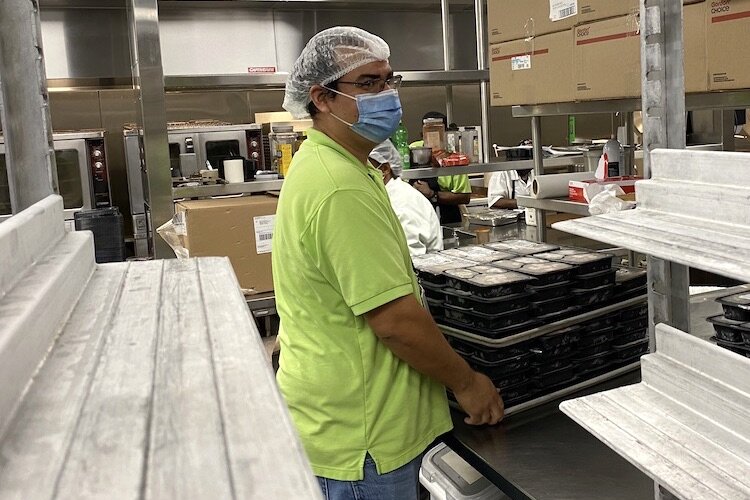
x=401 y=141
x=614 y=152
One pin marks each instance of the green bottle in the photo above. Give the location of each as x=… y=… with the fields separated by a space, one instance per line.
x=400 y=139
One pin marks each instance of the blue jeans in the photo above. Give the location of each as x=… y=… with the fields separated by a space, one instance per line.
x=401 y=484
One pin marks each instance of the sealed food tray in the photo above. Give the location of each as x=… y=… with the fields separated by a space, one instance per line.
x=495 y=305
x=517 y=263
x=741 y=349
x=629 y=278
x=433 y=292
x=597 y=337
x=588 y=263
x=502 y=368
x=521 y=247
x=586 y=298
x=493 y=334
x=631 y=350
x=542 y=355
x=465 y=348
x=435 y=307
x=631 y=294
x=430 y=267
x=728 y=330
x=627 y=338
x=496 y=284
x=736 y=306
x=560 y=254
x=570 y=335
x=511 y=380
x=548 y=292
x=476 y=253
x=559 y=315
x=517 y=394
x=599 y=323
x=594 y=350
x=550 y=366
x=595 y=280
x=492 y=355
x=550 y=306
x=545 y=274
x=634 y=325
x=555 y=378
x=485 y=321
x=635 y=312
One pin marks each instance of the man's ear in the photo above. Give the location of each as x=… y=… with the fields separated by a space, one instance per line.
x=319 y=95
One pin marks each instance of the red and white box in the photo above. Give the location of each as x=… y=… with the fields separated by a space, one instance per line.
x=576 y=189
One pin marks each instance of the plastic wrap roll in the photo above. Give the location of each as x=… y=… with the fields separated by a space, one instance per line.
x=556 y=185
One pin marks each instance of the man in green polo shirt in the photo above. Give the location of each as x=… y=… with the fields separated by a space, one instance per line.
x=363 y=367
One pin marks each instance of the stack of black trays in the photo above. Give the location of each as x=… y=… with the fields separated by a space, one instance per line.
x=523 y=285
x=107 y=226
x=733 y=327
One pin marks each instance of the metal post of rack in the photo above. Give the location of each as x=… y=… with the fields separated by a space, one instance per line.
x=536 y=139
x=445 y=18
x=24 y=105
x=663 y=96
x=484 y=86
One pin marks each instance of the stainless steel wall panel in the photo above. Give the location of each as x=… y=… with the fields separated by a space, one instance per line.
x=232 y=107
x=75 y=110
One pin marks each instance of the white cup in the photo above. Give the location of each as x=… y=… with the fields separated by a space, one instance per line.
x=234 y=171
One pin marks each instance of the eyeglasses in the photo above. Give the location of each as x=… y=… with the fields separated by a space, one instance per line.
x=377 y=84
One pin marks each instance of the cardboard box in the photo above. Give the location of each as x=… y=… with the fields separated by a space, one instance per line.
x=532 y=71
x=607 y=59
x=728 y=25
x=238 y=228
x=515 y=19
x=694 y=40
x=576 y=188
x=596 y=10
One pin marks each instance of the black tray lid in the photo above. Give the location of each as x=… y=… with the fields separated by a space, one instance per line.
x=537 y=270
x=498 y=277
x=722 y=321
x=436 y=263
x=740 y=300
x=580 y=259
x=625 y=274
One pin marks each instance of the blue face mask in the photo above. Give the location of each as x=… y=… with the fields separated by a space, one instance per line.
x=379 y=115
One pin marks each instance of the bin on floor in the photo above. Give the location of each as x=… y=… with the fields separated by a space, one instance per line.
x=447 y=476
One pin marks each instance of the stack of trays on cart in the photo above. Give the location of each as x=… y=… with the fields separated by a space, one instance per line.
x=733 y=327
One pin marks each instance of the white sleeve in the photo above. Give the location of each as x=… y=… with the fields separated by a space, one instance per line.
x=498 y=188
x=434 y=238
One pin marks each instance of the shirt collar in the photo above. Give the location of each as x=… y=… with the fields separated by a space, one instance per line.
x=321 y=139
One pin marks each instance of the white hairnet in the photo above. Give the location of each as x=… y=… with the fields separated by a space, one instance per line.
x=386 y=152
x=328 y=56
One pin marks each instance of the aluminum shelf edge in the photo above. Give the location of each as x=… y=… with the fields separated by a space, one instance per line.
x=542 y=330
x=238 y=188
x=693 y=211
x=481 y=168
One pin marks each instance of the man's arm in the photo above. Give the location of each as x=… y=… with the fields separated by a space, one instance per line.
x=407 y=329
x=448 y=198
x=505 y=203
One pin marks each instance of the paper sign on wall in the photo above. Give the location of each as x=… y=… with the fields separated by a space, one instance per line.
x=561 y=9
x=263 y=226
x=520 y=62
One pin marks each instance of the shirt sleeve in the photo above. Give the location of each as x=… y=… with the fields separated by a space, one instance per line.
x=354 y=245
x=458 y=184
x=498 y=188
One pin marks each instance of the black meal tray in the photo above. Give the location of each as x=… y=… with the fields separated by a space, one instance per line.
x=494 y=355
x=567 y=336
x=547 y=273
x=494 y=305
x=736 y=306
x=478 y=254
x=429 y=268
x=630 y=337
x=559 y=254
x=553 y=317
x=498 y=283
x=502 y=368
x=542 y=355
x=521 y=247
x=634 y=325
x=635 y=312
x=493 y=334
x=589 y=263
x=597 y=337
x=549 y=366
x=595 y=280
x=436 y=308
x=631 y=350
x=594 y=350
x=629 y=278
x=555 y=378
x=587 y=298
x=484 y=321
x=738 y=348
x=549 y=292
x=433 y=292
x=514 y=379
x=630 y=294
x=518 y=262
x=464 y=347
x=599 y=323
x=545 y=307
x=518 y=394
x=728 y=330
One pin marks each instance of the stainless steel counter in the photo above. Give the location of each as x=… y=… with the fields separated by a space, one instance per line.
x=521 y=230
x=543 y=454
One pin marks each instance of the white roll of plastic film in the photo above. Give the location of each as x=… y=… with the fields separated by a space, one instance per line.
x=556 y=185
x=234 y=171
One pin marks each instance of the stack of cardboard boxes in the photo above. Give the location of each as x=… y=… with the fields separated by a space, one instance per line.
x=544 y=51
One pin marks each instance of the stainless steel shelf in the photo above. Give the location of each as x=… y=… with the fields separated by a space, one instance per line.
x=709 y=100
x=226 y=189
x=277 y=81
x=542 y=330
x=483 y=168
x=554 y=205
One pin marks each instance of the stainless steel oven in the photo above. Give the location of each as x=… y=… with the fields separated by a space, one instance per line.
x=191 y=145
x=82 y=173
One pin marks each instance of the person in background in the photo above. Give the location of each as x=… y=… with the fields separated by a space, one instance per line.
x=448 y=191
x=416 y=215
x=363 y=367
x=505 y=186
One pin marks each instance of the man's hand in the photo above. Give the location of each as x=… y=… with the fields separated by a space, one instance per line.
x=481 y=401
x=423 y=188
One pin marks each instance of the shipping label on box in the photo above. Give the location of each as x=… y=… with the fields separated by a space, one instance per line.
x=263 y=226
x=532 y=71
x=607 y=59
x=562 y=9
x=728 y=26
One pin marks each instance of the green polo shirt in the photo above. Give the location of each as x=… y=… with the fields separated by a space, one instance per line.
x=338 y=252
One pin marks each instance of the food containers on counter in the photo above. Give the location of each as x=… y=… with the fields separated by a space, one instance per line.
x=736 y=306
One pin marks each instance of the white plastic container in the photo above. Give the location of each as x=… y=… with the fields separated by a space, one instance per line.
x=447 y=476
